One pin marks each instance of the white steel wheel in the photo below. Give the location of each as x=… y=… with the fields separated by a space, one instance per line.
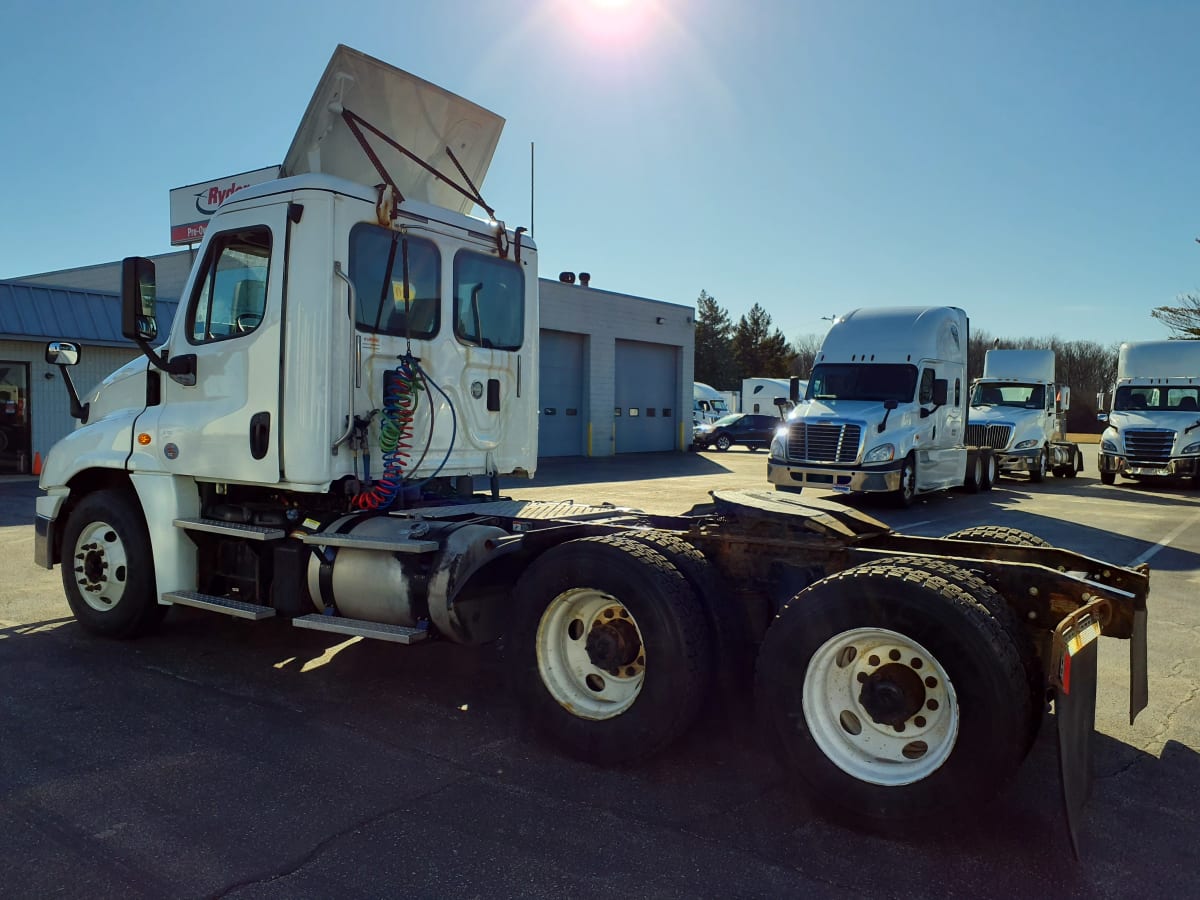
x=101 y=566
x=590 y=654
x=880 y=706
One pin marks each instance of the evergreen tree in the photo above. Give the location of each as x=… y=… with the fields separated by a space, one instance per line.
x=714 y=358
x=759 y=351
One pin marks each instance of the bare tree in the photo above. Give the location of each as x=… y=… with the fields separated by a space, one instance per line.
x=1183 y=319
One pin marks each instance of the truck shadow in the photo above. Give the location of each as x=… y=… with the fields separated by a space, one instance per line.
x=582 y=470
x=207 y=688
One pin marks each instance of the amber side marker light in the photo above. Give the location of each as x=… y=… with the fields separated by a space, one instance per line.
x=143 y=439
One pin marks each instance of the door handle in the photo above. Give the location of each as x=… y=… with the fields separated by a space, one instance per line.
x=260 y=434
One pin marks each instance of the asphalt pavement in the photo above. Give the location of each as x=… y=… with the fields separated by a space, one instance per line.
x=227 y=758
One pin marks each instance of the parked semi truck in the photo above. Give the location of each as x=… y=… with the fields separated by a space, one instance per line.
x=708 y=404
x=768 y=395
x=885 y=410
x=348 y=361
x=1019 y=411
x=1152 y=413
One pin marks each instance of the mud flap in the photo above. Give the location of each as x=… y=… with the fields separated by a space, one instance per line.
x=1076 y=648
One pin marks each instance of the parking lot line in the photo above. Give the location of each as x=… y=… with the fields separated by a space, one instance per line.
x=1182 y=527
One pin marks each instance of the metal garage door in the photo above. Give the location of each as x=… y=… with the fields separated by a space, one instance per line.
x=560 y=386
x=646 y=397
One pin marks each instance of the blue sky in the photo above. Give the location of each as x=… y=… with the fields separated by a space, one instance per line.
x=1034 y=163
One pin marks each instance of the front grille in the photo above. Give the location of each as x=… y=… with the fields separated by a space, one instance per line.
x=1150 y=444
x=824 y=442
x=994 y=436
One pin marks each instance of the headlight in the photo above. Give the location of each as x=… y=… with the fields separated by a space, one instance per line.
x=882 y=453
x=779 y=443
x=1026 y=445
x=1108 y=446
x=1191 y=449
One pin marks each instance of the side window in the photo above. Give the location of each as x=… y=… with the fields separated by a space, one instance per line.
x=489 y=301
x=399 y=282
x=926 y=393
x=230 y=297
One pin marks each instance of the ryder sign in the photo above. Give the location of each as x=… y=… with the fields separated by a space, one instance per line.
x=193 y=205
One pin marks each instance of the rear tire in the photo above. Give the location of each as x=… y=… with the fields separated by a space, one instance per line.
x=108 y=567
x=999 y=534
x=609 y=652
x=974 y=480
x=990 y=471
x=1076 y=465
x=891 y=694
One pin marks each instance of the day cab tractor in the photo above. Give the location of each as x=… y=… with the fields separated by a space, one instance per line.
x=353 y=353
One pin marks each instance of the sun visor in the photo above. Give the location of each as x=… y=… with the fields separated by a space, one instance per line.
x=421 y=117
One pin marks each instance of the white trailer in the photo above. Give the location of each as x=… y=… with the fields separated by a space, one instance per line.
x=763 y=395
x=885 y=410
x=1152 y=413
x=1019 y=411
x=348 y=359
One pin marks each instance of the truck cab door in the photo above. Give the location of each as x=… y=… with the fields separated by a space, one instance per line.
x=224 y=423
x=941 y=460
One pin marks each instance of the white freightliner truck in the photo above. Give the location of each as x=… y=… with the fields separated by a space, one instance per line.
x=708 y=404
x=347 y=359
x=1019 y=411
x=885 y=410
x=1153 y=413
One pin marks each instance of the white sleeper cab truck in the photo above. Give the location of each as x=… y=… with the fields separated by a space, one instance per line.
x=354 y=352
x=1154 y=417
x=885 y=410
x=768 y=396
x=1018 y=411
x=708 y=404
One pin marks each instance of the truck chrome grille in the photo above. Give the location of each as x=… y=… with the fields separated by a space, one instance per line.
x=834 y=442
x=1149 y=444
x=994 y=436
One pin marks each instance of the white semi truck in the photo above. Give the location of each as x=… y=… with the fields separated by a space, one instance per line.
x=764 y=395
x=1152 y=413
x=1019 y=411
x=347 y=360
x=885 y=410
x=708 y=404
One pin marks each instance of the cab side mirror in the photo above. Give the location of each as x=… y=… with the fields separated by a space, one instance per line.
x=137 y=299
x=941 y=390
x=62 y=353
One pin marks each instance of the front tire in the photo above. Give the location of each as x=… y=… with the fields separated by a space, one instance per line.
x=108 y=567
x=1108 y=478
x=723 y=443
x=1038 y=473
x=610 y=654
x=905 y=494
x=891 y=693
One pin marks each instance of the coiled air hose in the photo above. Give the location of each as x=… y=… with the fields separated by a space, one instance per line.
x=400 y=387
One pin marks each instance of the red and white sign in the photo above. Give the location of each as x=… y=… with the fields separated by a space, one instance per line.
x=194 y=204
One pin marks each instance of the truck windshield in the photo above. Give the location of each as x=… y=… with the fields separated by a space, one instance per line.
x=848 y=381
x=1181 y=398
x=1025 y=396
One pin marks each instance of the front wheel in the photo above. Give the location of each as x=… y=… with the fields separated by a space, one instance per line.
x=609 y=652
x=723 y=443
x=891 y=693
x=107 y=567
x=905 y=494
x=1038 y=473
x=1108 y=477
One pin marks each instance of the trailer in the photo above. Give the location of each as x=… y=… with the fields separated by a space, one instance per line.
x=349 y=362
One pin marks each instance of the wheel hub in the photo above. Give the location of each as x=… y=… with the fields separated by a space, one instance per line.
x=613 y=644
x=892 y=694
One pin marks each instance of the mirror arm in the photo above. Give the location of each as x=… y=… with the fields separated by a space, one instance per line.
x=78 y=410
x=182 y=369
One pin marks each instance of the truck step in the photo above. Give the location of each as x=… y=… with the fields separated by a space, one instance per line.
x=383 y=544
x=236 y=608
x=232 y=529
x=397 y=633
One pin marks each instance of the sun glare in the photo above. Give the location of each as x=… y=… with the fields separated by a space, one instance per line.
x=615 y=24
